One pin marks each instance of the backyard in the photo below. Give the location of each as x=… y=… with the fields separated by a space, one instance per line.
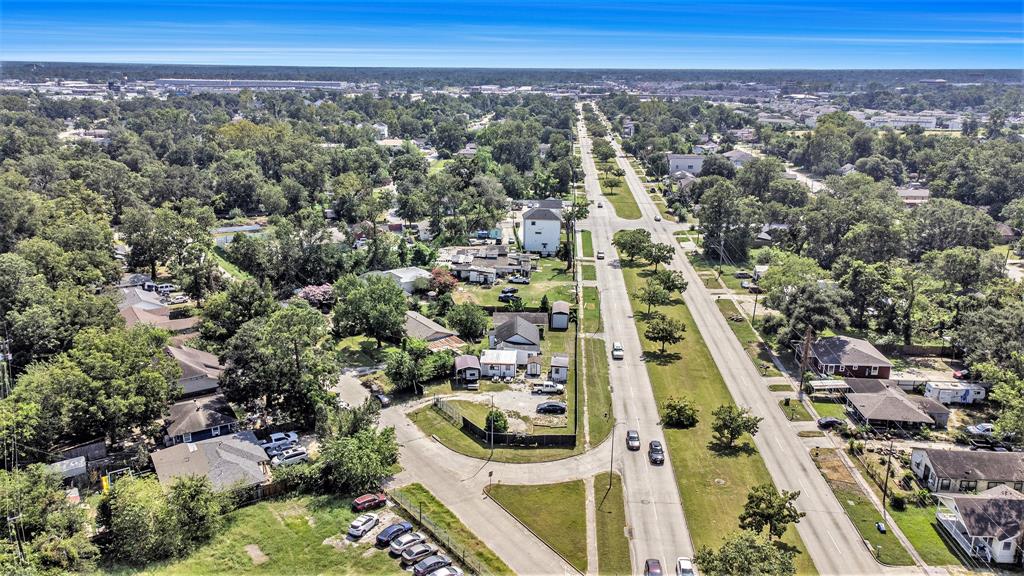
x=550 y=279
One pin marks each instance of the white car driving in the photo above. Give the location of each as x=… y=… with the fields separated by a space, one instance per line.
x=617 y=352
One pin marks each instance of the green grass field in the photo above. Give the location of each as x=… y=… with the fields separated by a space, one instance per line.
x=360 y=350
x=795 y=412
x=860 y=510
x=713 y=486
x=234 y=271
x=612 y=545
x=744 y=332
x=588 y=243
x=599 y=393
x=729 y=270
x=826 y=408
x=462 y=537
x=589 y=272
x=290 y=532
x=618 y=194
x=551 y=279
x=555 y=512
x=591 y=309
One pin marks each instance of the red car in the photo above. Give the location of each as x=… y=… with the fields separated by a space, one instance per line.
x=369 y=502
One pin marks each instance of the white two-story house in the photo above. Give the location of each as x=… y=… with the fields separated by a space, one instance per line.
x=542 y=230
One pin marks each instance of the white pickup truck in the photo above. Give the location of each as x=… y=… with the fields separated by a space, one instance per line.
x=548 y=387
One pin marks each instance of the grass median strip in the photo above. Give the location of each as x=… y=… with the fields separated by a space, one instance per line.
x=599 y=392
x=713 y=486
x=556 y=513
x=589 y=272
x=588 y=243
x=744 y=332
x=612 y=545
x=461 y=536
x=617 y=192
x=591 y=309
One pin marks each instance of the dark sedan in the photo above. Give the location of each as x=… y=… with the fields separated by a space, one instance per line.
x=391 y=532
x=551 y=408
x=655 y=452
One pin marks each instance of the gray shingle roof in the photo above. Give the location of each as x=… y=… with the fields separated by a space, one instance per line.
x=560 y=307
x=889 y=406
x=517 y=327
x=199 y=414
x=227 y=461
x=997 y=512
x=847 y=351
x=970 y=465
x=541 y=214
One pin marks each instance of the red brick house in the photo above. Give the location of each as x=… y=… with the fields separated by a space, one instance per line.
x=847 y=357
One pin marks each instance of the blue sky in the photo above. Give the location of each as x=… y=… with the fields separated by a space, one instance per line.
x=523 y=33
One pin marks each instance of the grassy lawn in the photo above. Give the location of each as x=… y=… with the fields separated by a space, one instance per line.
x=220 y=256
x=828 y=408
x=555 y=512
x=360 y=350
x=477 y=413
x=780 y=387
x=744 y=332
x=618 y=194
x=461 y=537
x=589 y=272
x=859 y=508
x=291 y=533
x=795 y=412
x=612 y=545
x=599 y=393
x=729 y=270
x=591 y=309
x=917 y=523
x=438 y=166
x=588 y=244
x=551 y=279
x=713 y=486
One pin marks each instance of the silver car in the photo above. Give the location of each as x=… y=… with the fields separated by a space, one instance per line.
x=400 y=544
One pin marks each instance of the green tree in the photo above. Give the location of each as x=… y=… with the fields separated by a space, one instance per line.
x=671 y=280
x=497 y=422
x=142 y=528
x=766 y=507
x=632 y=243
x=226 y=312
x=747 y=554
x=196 y=509
x=653 y=294
x=358 y=463
x=374 y=306
x=726 y=220
x=659 y=253
x=469 y=320
x=680 y=412
x=665 y=330
x=731 y=422
x=964 y=268
x=717 y=165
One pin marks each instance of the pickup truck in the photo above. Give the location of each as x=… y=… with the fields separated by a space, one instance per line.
x=548 y=387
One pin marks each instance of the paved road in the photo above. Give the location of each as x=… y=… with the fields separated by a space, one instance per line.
x=831 y=539
x=653 y=508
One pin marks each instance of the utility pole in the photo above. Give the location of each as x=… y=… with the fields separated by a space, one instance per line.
x=721 y=247
x=808 y=334
x=754 y=315
x=885 y=480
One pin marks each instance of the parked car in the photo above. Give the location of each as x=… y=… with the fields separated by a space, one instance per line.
x=983 y=429
x=383 y=399
x=548 y=387
x=280 y=437
x=600 y=254
x=290 y=456
x=652 y=567
x=754 y=289
x=165 y=289
x=392 y=532
x=369 y=502
x=509 y=290
x=509 y=298
x=361 y=525
x=632 y=440
x=406 y=541
x=447 y=571
x=551 y=408
x=430 y=564
x=417 y=552
x=684 y=567
x=743 y=274
x=600 y=204
x=829 y=422
x=657 y=217
x=617 y=352
x=746 y=284
x=655 y=452
x=180 y=299
x=962 y=374
x=517 y=279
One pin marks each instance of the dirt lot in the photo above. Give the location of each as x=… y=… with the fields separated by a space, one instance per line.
x=923 y=368
x=520 y=403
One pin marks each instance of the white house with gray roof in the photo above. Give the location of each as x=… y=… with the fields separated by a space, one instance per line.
x=542 y=231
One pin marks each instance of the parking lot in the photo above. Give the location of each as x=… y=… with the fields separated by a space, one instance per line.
x=517 y=400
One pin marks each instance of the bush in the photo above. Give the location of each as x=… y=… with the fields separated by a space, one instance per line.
x=771 y=324
x=923 y=498
x=680 y=413
x=898 y=502
x=496 y=421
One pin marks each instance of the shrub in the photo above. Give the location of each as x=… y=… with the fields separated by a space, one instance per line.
x=680 y=413
x=771 y=324
x=497 y=421
x=898 y=502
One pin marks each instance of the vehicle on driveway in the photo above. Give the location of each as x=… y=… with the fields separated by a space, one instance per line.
x=548 y=387
x=430 y=564
x=829 y=422
x=962 y=374
x=361 y=525
x=743 y=274
x=180 y=299
x=509 y=298
x=369 y=502
x=389 y=534
x=600 y=254
x=278 y=442
x=383 y=399
x=617 y=352
x=509 y=290
x=684 y=567
x=290 y=456
x=655 y=453
x=417 y=552
x=632 y=440
x=652 y=567
x=517 y=279
x=406 y=541
x=983 y=429
x=551 y=408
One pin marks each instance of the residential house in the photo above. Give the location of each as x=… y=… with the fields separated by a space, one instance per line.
x=1006 y=234
x=912 y=195
x=404 y=278
x=534 y=366
x=499 y=363
x=542 y=229
x=846 y=356
x=846 y=169
x=967 y=470
x=739 y=158
x=628 y=127
x=199 y=419
x=883 y=403
x=484 y=264
x=437 y=337
x=134 y=280
x=559 y=371
x=771 y=233
x=538 y=319
x=230 y=462
x=560 y=315
x=518 y=335
x=708 y=148
x=467 y=368
x=137 y=297
x=987 y=526
x=159 y=318
x=953 y=392
x=469 y=149
x=382 y=130
x=200 y=371
x=692 y=163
